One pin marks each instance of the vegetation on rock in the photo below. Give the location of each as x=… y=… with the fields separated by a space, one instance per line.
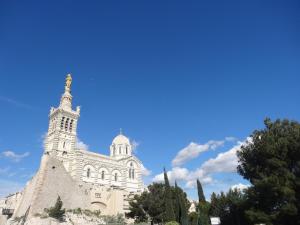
x=57 y=211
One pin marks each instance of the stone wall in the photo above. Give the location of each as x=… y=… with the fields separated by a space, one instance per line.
x=51 y=181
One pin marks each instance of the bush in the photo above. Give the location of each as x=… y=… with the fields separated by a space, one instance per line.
x=57 y=212
x=172 y=223
x=119 y=218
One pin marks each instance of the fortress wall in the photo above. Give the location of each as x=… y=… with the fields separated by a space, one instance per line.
x=51 y=181
x=55 y=181
x=26 y=198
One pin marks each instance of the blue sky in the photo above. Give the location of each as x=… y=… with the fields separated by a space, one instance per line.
x=187 y=81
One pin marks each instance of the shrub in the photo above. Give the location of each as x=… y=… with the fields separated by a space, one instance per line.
x=57 y=212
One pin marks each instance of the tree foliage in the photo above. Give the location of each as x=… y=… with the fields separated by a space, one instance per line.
x=203 y=206
x=229 y=207
x=150 y=205
x=200 y=192
x=56 y=211
x=271 y=162
x=170 y=215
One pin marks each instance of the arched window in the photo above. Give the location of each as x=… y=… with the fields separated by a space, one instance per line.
x=67 y=124
x=71 y=125
x=116 y=176
x=131 y=171
x=62 y=122
x=102 y=175
x=88 y=172
x=126 y=150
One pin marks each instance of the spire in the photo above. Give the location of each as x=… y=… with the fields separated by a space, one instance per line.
x=66 y=98
x=121 y=131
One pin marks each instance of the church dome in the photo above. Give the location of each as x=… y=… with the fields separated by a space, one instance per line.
x=120 y=140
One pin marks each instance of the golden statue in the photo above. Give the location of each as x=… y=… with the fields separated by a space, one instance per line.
x=68 y=82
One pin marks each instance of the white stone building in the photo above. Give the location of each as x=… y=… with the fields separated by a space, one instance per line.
x=83 y=179
x=120 y=169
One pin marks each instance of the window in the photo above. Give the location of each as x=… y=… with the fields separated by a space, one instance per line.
x=116 y=177
x=62 y=122
x=102 y=175
x=64 y=145
x=126 y=150
x=67 y=124
x=88 y=173
x=131 y=171
x=71 y=125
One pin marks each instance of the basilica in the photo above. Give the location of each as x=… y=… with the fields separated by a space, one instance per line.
x=81 y=178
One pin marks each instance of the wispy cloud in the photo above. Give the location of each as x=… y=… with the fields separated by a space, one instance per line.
x=81 y=145
x=239 y=186
x=14 y=156
x=134 y=145
x=193 y=150
x=145 y=171
x=225 y=162
x=15 y=102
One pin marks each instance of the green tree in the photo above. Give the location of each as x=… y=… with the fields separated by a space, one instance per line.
x=271 y=162
x=56 y=211
x=177 y=204
x=137 y=211
x=200 y=192
x=229 y=207
x=203 y=210
x=182 y=206
x=193 y=218
x=203 y=206
x=151 y=204
x=170 y=216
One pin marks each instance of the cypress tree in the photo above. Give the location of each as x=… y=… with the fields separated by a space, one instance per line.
x=203 y=206
x=177 y=204
x=200 y=192
x=170 y=216
x=181 y=208
x=183 y=211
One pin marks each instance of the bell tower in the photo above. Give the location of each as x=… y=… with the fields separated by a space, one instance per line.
x=61 y=135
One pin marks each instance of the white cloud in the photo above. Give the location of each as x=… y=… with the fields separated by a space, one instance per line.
x=134 y=145
x=225 y=162
x=81 y=145
x=177 y=173
x=239 y=186
x=183 y=174
x=145 y=171
x=189 y=152
x=14 y=156
x=204 y=181
x=193 y=150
